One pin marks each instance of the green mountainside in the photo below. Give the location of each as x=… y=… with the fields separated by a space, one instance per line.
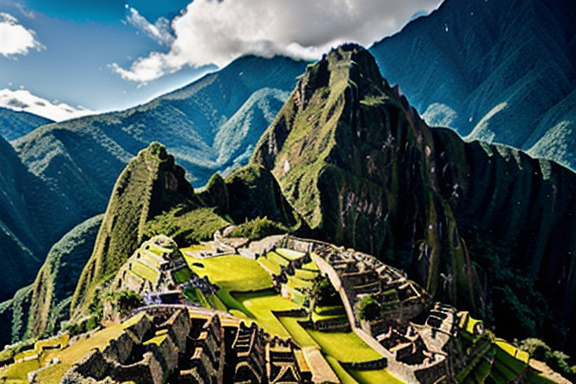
x=498 y=71
x=484 y=227
x=149 y=185
x=36 y=310
x=347 y=160
x=152 y=197
x=23 y=238
x=53 y=182
x=14 y=124
x=207 y=125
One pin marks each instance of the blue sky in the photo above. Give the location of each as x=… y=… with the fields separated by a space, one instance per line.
x=113 y=54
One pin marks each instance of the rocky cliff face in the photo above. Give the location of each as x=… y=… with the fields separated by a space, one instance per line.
x=358 y=163
x=365 y=171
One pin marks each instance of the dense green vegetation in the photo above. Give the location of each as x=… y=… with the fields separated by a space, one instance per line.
x=15 y=124
x=56 y=280
x=557 y=360
x=186 y=224
x=149 y=185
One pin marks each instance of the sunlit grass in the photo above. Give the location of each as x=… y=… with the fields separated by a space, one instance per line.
x=344 y=346
x=232 y=273
x=261 y=304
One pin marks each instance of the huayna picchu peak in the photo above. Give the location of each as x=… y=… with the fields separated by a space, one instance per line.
x=359 y=245
x=365 y=171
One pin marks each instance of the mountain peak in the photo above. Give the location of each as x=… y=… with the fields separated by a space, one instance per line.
x=151 y=183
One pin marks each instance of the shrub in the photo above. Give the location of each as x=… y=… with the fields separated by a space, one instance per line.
x=369 y=308
x=258 y=229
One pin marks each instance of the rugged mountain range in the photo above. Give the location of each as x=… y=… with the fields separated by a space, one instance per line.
x=357 y=166
x=214 y=123
x=14 y=124
x=498 y=71
x=355 y=163
x=485 y=227
x=207 y=125
x=152 y=197
x=53 y=182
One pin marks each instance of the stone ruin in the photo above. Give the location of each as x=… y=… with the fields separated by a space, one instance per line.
x=175 y=343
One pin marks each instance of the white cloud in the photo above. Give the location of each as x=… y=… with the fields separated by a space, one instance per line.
x=16 y=39
x=159 y=31
x=23 y=100
x=217 y=32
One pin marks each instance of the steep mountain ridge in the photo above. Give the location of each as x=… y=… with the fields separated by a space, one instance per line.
x=365 y=171
x=347 y=149
x=483 y=65
x=187 y=121
x=72 y=166
x=148 y=186
x=37 y=310
x=15 y=124
x=25 y=233
x=152 y=197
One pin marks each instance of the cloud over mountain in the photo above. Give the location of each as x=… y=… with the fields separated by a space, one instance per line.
x=23 y=100
x=217 y=32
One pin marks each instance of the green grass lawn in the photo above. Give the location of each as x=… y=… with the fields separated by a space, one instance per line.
x=216 y=303
x=271 y=266
x=261 y=304
x=144 y=271
x=232 y=304
x=197 y=248
x=344 y=346
x=294 y=282
x=305 y=275
x=299 y=334
x=343 y=375
x=196 y=296
x=276 y=258
x=73 y=353
x=380 y=376
x=311 y=266
x=16 y=373
x=233 y=273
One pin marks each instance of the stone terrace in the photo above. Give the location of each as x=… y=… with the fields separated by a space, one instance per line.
x=165 y=343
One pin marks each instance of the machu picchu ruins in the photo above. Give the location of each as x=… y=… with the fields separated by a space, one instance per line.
x=278 y=310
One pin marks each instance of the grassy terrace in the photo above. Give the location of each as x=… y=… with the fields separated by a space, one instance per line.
x=232 y=273
x=260 y=305
x=245 y=291
x=276 y=258
x=311 y=266
x=17 y=373
x=144 y=271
